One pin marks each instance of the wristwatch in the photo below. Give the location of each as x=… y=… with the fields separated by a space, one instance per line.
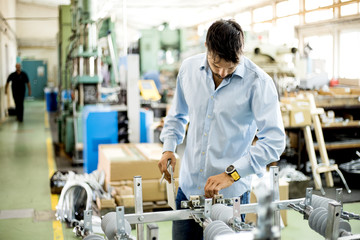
x=231 y=171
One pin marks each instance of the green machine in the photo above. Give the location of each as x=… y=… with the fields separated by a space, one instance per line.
x=160 y=49
x=79 y=72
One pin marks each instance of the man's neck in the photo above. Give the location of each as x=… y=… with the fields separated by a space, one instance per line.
x=217 y=81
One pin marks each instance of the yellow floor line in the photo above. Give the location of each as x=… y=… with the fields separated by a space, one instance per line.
x=46 y=120
x=57 y=226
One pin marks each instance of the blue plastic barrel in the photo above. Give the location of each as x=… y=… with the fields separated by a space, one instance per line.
x=51 y=101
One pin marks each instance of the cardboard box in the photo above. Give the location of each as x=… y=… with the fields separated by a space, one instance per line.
x=350 y=82
x=284 y=195
x=125 y=200
x=152 y=189
x=297 y=189
x=105 y=203
x=286 y=118
x=300 y=113
x=124 y=161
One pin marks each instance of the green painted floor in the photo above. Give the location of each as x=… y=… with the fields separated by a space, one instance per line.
x=24 y=184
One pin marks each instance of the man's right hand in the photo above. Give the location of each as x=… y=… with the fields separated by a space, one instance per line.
x=162 y=164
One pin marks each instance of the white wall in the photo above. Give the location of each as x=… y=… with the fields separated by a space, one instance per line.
x=8 y=52
x=37 y=38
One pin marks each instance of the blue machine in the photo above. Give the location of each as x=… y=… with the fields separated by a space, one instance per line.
x=100 y=126
x=146 y=120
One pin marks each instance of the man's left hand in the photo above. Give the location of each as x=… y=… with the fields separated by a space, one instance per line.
x=215 y=183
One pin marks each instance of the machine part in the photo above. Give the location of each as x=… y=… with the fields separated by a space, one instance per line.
x=208 y=207
x=187 y=213
x=65 y=208
x=266 y=209
x=139 y=206
x=236 y=207
x=274 y=172
x=94 y=237
x=88 y=222
x=152 y=231
x=339 y=196
x=221 y=212
x=318 y=201
x=219 y=198
x=109 y=225
x=319 y=218
x=216 y=228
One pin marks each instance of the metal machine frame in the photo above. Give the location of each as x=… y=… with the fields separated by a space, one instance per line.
x=268 y=209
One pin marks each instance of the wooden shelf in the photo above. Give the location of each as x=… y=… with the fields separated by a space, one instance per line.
x=341 y=124
x=332 y=102
x=340 y=145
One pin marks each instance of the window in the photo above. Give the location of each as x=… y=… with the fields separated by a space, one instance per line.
x=319 y=15
x=244 y=19
x=349 y=52
x=349 y=9
x=287 y=8
x=263 y=14
x=262 y=27
x=314 y=4
x=321 y=54
x=285 y=30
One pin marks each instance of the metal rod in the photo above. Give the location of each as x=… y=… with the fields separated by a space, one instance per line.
x=343 y=180
x=274 y=173
x=139 y=207
x=162 y=216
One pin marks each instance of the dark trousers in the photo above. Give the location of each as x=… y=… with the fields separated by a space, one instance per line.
x=189 y=229
x=19 y=105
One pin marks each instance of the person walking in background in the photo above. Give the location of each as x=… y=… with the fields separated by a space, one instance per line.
x=19 y=79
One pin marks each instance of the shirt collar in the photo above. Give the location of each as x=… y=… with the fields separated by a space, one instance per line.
x=239 y=71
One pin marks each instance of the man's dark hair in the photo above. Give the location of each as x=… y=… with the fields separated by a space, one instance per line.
x=225 y=39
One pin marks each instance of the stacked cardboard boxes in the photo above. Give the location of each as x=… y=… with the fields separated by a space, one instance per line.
x=121 y=162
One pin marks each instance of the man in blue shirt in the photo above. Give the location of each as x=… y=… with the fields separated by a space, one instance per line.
x=227 y=101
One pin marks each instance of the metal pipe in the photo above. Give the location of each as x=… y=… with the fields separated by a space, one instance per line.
x=139 y=206
x=186 y=214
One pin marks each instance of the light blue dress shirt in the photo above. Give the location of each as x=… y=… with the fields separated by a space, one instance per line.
x=223 y=124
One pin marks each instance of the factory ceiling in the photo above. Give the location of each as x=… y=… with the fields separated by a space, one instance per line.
x=142 y=14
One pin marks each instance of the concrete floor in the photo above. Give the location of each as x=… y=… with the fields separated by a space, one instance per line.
x=26 y=205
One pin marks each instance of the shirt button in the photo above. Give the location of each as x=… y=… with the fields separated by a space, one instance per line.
x=201 y=170
x=212 y=97
x=199 y=188
x=203 y=153
x=209 y=116
x=205 y=134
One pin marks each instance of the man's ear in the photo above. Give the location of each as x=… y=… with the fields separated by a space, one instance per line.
x=205 y=45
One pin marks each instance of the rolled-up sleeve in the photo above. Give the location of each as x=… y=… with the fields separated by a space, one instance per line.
x=271 y=135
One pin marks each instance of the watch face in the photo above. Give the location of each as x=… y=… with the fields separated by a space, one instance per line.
x=230 y=168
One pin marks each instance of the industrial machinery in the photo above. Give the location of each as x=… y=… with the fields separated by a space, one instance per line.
x=220 y=218
x=88 y=55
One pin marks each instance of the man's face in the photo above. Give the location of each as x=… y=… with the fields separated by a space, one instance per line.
x=220 y=68
x=18 y=67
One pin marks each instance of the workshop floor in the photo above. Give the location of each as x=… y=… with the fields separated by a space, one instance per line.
x=26 y=205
